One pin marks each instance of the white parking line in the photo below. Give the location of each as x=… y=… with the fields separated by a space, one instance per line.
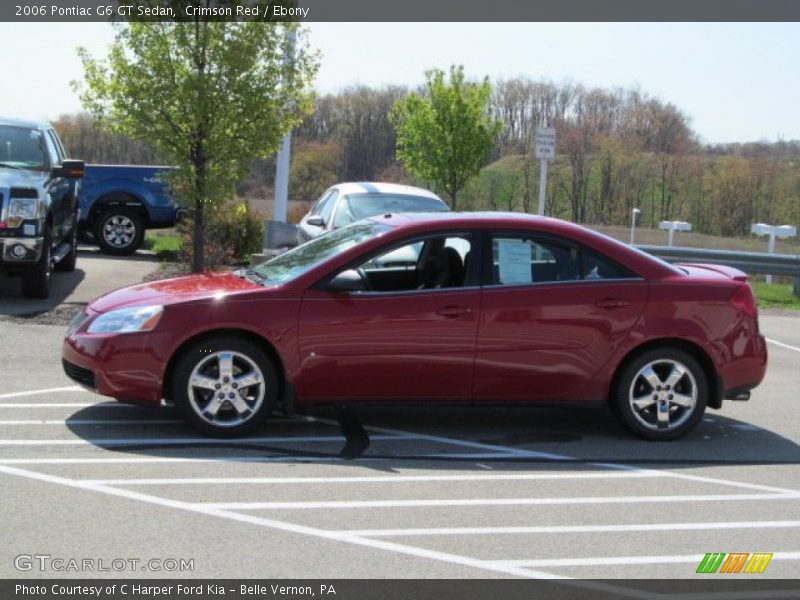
x=597 y=561
x=557 y=529
x=167 y=459
x=370 y=479
x=189 y=441
x=782 y=345
x=68 y=422
x=71 y=388
x=521 y=453
x=280 y=525
x=69 y=405
x=335 y=504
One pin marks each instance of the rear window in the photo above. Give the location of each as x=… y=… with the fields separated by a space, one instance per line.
x=354 y=207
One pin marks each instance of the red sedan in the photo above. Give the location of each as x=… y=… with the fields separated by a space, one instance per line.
x=431 y=308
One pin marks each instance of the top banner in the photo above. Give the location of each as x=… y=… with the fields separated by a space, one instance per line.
x=405 y=10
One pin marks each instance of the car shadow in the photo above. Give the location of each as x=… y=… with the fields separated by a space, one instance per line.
x=14 y=304
x=447 y=438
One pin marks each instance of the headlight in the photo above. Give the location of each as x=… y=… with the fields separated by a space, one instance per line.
x=23 y=208
x=127 y=320
x=76 y=322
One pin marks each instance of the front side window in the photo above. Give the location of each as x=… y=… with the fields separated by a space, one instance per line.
x=300 y=260
x=432 y=262
x=22 y=148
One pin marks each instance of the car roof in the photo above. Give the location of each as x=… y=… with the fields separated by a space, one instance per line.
x=9 y=122
x=378 y=187
x=470 y=219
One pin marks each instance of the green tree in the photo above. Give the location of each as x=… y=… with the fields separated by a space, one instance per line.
x=445 y=135
x=210 y=96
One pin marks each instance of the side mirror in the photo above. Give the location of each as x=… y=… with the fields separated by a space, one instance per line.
x=315 y=221
x=347 y=281
x=71 y=169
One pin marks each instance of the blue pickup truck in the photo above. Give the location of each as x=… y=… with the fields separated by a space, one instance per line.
x=119 y=202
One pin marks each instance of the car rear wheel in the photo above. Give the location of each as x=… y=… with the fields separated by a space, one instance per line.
x=119 y=230
x=225 y=387
x=661 y=394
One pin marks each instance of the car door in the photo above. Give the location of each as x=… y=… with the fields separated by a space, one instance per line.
x=59 y=190
x=552 y=314
x=322 y=210
x=411 y=337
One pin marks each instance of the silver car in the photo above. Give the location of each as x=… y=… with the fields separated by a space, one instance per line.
x=345 y=203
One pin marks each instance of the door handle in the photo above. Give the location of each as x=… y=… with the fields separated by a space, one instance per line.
x=611 y=303
x=453 y=311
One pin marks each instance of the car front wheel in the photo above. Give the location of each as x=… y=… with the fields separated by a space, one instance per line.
x=661 y=394
x=225 y=387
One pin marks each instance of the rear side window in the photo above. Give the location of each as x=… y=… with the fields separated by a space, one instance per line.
x=597 y=266
x=521 y=260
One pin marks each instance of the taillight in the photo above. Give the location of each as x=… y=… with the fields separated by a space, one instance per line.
x=743 y=301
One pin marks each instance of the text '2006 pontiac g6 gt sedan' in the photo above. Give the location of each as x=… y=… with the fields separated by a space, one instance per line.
x=431 y=308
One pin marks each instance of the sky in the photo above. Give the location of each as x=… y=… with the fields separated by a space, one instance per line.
x=737 y=82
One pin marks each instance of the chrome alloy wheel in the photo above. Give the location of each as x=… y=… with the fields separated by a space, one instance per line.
x=119 y=231
x=226 y=389
x=663 y=394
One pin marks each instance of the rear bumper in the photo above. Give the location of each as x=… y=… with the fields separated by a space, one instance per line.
x=745 y=371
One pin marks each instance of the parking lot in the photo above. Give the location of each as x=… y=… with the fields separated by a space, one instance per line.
x=456 y=493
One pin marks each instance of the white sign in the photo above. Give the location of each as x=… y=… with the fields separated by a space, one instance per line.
x=781 y=231
x=676 y=225
x=515 y=261
x=545 y=142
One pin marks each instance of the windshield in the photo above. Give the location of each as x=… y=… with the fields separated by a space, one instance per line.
x=22 y=148
x=354 y=207
x=302 y=259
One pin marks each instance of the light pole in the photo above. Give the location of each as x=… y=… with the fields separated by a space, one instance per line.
x=634 y=213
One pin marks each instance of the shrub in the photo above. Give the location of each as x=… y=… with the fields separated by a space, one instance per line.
x=232 y=233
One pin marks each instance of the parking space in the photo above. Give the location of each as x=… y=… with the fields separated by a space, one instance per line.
x=456 y=493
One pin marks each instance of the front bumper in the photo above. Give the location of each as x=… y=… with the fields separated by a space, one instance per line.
x=124 y=366
x=20 y=250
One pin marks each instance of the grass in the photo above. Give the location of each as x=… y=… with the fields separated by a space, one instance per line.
x=164 y=242
x=777 y=295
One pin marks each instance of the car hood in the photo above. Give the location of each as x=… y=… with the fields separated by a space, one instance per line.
x=22 y=178
x=173 y=291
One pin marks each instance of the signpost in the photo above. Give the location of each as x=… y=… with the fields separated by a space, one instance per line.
x=773 y=231
x=545 y=150
x=672 y=227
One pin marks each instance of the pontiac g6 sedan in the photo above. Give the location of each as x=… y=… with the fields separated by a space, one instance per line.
x=431 y=308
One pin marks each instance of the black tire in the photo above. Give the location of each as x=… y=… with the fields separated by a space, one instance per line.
x=201 y=359
x=661 y=412
x=36 y=279
x=67 y=264
x=119 y=230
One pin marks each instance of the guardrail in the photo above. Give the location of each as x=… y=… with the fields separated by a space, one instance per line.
x=749 y=262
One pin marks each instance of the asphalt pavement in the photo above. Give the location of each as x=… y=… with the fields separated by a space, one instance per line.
x=439 y=493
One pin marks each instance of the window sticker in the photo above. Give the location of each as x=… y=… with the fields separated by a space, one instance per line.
x=515 y=261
